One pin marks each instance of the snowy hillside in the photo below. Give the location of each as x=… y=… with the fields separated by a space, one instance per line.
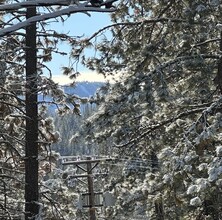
x=83 y=89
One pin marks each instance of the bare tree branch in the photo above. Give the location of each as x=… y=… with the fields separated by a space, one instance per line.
x=145 y=21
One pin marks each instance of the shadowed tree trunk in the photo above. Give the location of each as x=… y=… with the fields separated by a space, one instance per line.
x=31 y=147
x=218 y=79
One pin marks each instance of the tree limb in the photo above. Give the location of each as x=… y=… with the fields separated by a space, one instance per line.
x=67 y=11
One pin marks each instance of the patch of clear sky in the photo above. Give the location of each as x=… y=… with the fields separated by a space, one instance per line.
x=77 y=24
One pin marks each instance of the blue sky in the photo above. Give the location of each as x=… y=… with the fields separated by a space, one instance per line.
x=78 y=24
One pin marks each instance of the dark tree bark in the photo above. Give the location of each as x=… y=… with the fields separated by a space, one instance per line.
x=219 y=73
x=31 y=146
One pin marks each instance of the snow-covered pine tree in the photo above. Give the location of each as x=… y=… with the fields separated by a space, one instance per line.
x=164 y=111
x=13 y=116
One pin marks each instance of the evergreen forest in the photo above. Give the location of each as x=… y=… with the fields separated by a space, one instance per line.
x=150 y=139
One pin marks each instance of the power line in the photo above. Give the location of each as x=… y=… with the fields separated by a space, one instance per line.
x=112 y=158
x=91 y=197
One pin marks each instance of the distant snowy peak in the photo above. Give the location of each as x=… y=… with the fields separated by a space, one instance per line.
x=83 y=89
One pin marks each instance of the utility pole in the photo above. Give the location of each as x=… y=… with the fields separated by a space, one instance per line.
x=31 y=139
x=92 y=214
x=90 y=165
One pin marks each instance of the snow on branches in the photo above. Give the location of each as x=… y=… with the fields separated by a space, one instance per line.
x=72 y=7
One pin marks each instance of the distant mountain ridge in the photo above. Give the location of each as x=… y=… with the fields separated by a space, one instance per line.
x=83 y=89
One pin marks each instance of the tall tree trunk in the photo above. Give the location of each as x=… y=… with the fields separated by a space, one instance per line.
x=219 y=73
x=31 y=146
